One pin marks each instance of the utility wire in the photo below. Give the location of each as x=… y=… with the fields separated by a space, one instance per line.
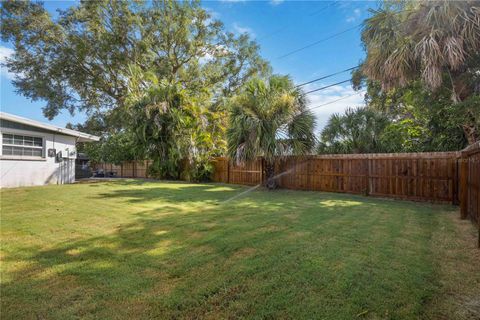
x=335 y=35
x=319 y=41
x=277 y=31
x=326 y=87
x=342 y=71
x=327 y=76
x=333 y=101
x=323 y=8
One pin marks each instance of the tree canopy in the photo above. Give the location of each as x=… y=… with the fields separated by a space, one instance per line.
x=152 y=76
x=357 y=130
x=82 y=60
x=432 y=43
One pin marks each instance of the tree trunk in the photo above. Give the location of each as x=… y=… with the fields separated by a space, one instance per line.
x=271 y=182
x=460 y=92
x=471 y=133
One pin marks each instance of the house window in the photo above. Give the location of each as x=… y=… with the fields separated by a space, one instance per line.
x=20 y=145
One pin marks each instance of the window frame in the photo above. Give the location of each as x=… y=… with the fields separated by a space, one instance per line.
x=24 y=134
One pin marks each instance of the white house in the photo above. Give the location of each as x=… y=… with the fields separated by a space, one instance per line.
x=34 y=153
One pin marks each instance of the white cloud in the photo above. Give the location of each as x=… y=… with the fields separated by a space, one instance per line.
x=355 y=15
x=240 y=29
x=348 y=96
x=276 y=2
x=4 y=54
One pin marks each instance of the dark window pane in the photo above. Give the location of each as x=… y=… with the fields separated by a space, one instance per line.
x=27 y=152
x=18 y=140
x=8 y=138
x=7 y=151
x=37 y=152
x=17 y=151
x=28 y=141
x=38 y=142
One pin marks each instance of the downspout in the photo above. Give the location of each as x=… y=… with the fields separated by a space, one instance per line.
x=55 y=157
x=75 y=159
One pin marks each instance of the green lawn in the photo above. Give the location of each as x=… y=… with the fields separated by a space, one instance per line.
x=133 y=249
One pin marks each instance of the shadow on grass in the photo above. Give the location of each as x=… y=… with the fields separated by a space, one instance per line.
x=267 y=255
x=143 y=191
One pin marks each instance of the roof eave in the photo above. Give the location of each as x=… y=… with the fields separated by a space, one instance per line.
x=82 y=137
x=88 y=139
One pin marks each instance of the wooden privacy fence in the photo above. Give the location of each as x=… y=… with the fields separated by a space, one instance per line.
x=470 y=185
x=127 y=169
x=413 y=176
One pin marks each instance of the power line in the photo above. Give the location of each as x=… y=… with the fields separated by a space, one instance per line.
x=333 y=101
x=349 y=69
x=319 y=41
x=335 y=35
x=324 y=8
x=329 y=86
x=327 y=76
x=277 y=31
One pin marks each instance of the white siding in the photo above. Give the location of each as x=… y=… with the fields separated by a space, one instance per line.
x=34 y=172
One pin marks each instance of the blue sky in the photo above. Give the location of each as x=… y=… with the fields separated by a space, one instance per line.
x=279 y=27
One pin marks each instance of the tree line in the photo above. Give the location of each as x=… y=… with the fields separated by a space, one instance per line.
x=163 y=80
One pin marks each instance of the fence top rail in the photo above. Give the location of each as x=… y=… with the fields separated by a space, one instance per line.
x=471 y=149
x=419 y=155
x=416 y=155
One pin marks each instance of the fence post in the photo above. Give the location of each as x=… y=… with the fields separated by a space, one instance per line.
x=367 y=177
x=455 y=182
x=228 y=170
x=463 y=184
x=262 y=169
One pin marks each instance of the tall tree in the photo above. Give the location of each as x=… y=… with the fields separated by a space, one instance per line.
x=82 y=59
x=269 y=118
x=176 y=128
x=156 y=71
x=436 y=42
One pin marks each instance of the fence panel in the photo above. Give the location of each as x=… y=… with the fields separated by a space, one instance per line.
x=323 y=173
x=470 y=184
x=128 y=169
x=248 y=173
x=220 y=170
x=413 y=176
x=420 y=176
x=141 y=167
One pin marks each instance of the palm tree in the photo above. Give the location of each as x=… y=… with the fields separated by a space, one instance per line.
x=269 y=118
x=435 y=41
x=358 y=130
